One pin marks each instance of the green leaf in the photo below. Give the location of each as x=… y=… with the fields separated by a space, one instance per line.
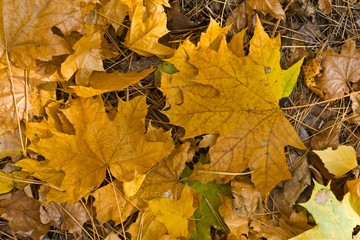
x=205 y=217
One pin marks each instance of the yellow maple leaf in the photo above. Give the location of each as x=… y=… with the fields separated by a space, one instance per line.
x=86 y=59
x=145 y=31
x=111 y=204
x=99 y=144
x=26 y=34
x=252 y=128
x=174 y=214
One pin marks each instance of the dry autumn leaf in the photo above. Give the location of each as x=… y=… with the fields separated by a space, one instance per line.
x=164 y=179
x=144 y=34
x=146 y=227
x=111 y=204
x=339 y=161
x=245 y=215
x=79 y=162
x=334 y=219
x=23 y=214
x=26 y=34
x=108 y=12
x=175 y=214
x=66 y=216
x=86 y=59
x=25 y=83
x=272 y=7
x=102 y=82
x=239 y=101
x=339 y=70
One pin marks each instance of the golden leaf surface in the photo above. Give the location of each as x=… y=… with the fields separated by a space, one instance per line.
x=99 y=144
x=111 y=203
x=86 y=59
x=144 y=34
x=240 y=102
x=174 y=214
x=102 y=82
x=25 y=32
x=29 y=95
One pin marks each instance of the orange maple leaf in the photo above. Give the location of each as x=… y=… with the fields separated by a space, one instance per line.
x=78 y=163
x=252 y=128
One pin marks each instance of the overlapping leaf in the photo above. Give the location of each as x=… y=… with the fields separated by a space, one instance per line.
x=239 y=101
x=25 y=30
x=334 y=219
x=79 y=162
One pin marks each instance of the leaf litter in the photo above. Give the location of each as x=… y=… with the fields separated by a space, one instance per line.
x=83 y=147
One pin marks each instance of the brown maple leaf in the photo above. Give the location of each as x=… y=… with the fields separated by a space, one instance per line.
x=23 y=214
x=245 y=113
x=339 y=70
x=78 y=163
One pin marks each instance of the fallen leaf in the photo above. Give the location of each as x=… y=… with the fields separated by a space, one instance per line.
x=208 y=215
x=327 y=136
x=66 y=216
x=272 y=7
x=339 y=70
x=147 y=227
x=102 y=82
x=29 y=95
x=339 y=161
x=23 y=214
x=144 y=34
x=334 y=219
x=237 y=18
x=177 y=20
x=132 y=187
x=310 y=70
x=175 y=214
x=26 y=35
x=252 y=128
x=99 y=144
x=164 y=179
x=354 y=190
x=10 y=146
x=111 y=203
x=325 y=6
x=108 y=12
x=86 y=59
x=245 y=215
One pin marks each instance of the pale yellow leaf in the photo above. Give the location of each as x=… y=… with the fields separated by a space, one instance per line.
x=339 y=161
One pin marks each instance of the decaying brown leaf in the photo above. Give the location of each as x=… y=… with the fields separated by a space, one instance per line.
x=272 y=7
x=23 y=214
x=339 y=70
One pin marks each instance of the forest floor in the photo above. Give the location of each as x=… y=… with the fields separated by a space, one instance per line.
x=323 y=116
